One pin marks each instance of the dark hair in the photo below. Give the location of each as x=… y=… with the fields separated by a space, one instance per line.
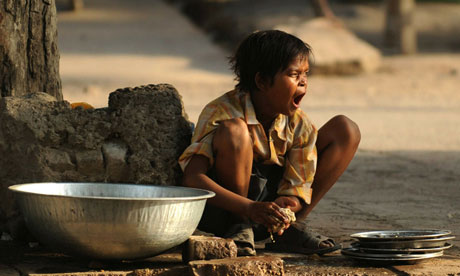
x=266 y=53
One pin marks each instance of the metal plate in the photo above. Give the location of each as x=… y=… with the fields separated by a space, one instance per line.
x=400 y=250
x=400 y=235
x=404 y=244
x=356 y=254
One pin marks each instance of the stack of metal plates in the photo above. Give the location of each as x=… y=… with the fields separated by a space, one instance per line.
x=400 y=245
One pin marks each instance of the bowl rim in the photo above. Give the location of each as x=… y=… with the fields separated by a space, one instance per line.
x=207 y=194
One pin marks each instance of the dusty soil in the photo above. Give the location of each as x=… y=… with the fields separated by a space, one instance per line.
x=406 y=172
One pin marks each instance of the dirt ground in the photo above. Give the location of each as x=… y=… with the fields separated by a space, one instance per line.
x=407 y=170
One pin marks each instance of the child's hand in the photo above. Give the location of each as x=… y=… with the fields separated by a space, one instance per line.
x=291 y=202
x=266 y=213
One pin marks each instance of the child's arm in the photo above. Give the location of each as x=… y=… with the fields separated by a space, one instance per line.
x=266 y=213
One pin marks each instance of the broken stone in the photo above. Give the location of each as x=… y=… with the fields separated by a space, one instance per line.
x=208 y=248
x=266 y=265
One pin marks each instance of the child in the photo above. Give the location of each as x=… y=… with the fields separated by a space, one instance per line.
x=259 y=152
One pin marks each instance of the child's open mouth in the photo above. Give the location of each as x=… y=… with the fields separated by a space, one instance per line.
x=298 y=99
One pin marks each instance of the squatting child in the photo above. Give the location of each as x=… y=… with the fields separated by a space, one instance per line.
x=259 y=152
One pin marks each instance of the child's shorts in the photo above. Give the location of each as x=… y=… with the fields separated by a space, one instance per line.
x=262 y=187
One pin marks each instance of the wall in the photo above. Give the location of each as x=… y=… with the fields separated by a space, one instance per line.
x=136 y=139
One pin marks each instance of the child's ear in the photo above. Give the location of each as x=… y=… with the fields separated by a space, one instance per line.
x=261 y=82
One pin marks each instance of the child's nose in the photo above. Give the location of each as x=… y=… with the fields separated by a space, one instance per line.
x=303 y=81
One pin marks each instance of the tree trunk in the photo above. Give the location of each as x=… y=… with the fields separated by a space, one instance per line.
x=29 y=56
x=400 y=29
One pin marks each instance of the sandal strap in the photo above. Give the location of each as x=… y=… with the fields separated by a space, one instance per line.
x=300 y=234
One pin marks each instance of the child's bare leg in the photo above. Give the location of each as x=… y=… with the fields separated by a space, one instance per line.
x=337 y=143
x=232 y=147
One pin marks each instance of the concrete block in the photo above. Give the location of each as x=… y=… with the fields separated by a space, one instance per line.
x=266 y=265
x=208 y=248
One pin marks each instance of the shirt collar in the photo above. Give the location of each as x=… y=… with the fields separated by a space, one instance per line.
x=249 y=111
x=279 y=124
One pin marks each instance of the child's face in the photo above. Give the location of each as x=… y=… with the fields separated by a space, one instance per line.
x=288 y=88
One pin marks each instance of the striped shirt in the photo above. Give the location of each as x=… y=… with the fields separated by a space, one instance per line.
x=290 y=142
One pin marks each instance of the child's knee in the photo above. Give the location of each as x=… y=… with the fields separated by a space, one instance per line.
x=232 y=134
x=348 y=130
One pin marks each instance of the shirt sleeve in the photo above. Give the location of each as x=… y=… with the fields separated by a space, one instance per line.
x=300 y=164
x=204 y=132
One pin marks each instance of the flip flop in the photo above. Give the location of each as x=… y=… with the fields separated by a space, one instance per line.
x=300 y=240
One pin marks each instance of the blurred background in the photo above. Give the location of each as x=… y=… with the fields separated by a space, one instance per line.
x=393 y=66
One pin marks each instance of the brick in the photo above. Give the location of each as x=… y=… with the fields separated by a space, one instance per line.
x=241 y=266
x=208 y=248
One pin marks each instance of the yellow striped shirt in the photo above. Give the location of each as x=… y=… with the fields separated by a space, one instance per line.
x=290 y=141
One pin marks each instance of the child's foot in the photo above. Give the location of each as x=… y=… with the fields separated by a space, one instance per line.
x=243 y=236
x=302 y=240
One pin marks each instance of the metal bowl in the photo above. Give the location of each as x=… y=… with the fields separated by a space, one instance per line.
x=110 y=221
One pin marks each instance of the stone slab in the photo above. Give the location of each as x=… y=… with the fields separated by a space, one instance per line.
x=267 y=265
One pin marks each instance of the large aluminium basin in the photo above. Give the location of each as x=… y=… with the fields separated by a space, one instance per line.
x=110 y=221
